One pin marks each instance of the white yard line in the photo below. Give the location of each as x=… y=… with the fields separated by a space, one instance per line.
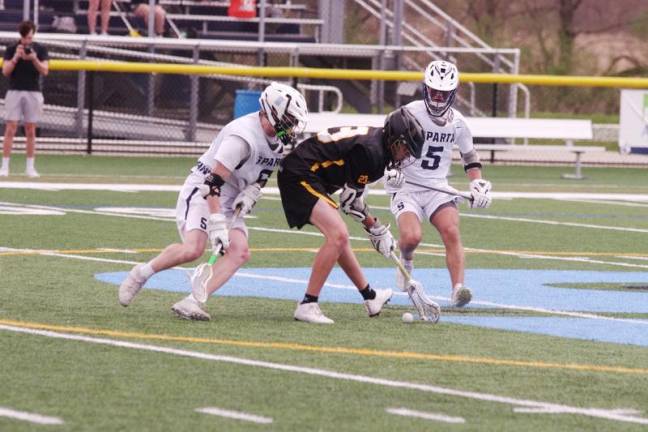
x=405 y=385
x=29 y=417
x=425 y=415
x=234 y=415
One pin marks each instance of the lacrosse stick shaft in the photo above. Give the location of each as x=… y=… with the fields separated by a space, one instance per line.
x=452 y=191
x=400 y=266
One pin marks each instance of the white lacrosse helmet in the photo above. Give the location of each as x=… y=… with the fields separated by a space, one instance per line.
x=440 y=87
x=286 y=111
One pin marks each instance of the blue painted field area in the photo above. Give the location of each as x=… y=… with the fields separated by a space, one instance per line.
x=491 y=288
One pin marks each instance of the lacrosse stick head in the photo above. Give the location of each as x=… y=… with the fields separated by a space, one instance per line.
x=427 y=309
x=199 y=280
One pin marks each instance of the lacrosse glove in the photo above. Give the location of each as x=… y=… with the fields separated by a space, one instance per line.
x=480 y=190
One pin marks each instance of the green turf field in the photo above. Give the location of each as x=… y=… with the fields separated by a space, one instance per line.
x=70 y=352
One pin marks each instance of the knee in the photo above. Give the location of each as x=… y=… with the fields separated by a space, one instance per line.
x=239 y=254
x=451 y=234
x=30 y=131
x=192 y=252
x=339 y=238
x=409 y=240
x=11 y=127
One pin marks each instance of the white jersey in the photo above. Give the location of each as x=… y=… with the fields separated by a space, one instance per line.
x=256 y=167
x=436 y=156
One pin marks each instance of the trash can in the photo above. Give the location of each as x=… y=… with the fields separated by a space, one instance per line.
x=245 y=102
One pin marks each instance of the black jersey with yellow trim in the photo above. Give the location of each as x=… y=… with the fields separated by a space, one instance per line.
x=338 y=156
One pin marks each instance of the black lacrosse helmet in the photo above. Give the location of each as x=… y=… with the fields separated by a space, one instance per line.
x=402 y=128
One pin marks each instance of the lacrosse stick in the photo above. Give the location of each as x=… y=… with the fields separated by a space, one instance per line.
x=449 y=190
x=131 y=31
x=427 y=309
x=205 y=271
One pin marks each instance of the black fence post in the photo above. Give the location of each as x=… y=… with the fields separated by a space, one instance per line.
x=90 y=105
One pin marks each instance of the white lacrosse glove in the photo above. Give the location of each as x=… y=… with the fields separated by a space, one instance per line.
x=394 y=178
x=480 y=190
x=247 y=198
x=353 y=204
x=218 y=232
x=381 y=239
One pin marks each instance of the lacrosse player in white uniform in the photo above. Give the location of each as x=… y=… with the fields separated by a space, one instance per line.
x=412 y=202
x=227 y=177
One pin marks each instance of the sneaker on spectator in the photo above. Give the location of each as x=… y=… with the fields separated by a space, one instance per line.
x=32 y=173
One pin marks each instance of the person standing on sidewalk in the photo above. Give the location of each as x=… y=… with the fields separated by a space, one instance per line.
x=24 y=63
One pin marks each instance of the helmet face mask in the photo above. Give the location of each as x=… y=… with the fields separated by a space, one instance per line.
x=440 y=87
x=286 y=111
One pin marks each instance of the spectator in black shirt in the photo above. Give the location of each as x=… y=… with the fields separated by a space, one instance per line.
x=24 y=63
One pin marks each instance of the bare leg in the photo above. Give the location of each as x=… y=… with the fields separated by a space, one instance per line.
x=349 y=263
x=105 y=15
x=330 y=223
x=160 y=18
x=175 y=254
x=10 y=133
x=30 y=138
x=446 y=221
x=236 y=256
x=93 y=5
x=409 y=230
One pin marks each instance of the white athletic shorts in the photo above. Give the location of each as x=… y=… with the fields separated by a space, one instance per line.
x=23 y=105
x=192 y=211
x=422 y=203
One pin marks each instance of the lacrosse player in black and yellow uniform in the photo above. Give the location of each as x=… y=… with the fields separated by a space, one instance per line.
x=348 y=159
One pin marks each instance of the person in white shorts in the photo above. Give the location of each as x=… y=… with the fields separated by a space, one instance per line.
x=24 y=63
x=412 y=202
x=228 y=176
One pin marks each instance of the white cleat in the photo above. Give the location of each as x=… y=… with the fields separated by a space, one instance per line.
x=131 y=286
x=461 y=296
x=374 y=306
x=311 y=313
x=32 y=173
x=4 y=172
x=190 y=309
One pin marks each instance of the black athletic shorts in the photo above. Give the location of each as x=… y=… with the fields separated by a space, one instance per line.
x=300 y=190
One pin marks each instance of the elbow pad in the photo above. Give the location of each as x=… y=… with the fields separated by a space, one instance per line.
x=214 y=183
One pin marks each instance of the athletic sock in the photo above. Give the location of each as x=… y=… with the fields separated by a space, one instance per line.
x=30 y=164
x=147 y=270
x=5 y=163
x=309 y=299
x=368 y=293
x=408 y=264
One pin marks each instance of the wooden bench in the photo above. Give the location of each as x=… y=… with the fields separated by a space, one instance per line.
x=491 y=128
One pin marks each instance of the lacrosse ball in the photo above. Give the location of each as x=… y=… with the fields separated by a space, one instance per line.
x=408 y=318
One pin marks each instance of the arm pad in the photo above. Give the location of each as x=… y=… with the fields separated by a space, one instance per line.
x=214 y=183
